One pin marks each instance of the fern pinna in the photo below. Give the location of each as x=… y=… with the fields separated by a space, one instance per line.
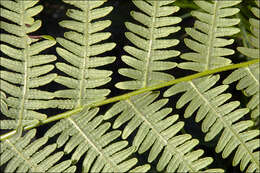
x=90 y=135
x=249 y=76
x=25 y=67
x=141 y=131
x=82 y=48
x=23 y=156
x=154 y=131
x=218 y=116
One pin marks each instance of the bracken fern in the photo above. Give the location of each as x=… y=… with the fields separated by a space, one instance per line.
x=141 y=131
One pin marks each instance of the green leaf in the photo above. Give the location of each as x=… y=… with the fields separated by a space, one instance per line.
x=81 y=46
x=150 y=45
x=23 y=154
x=213 y=23
x=24 y=66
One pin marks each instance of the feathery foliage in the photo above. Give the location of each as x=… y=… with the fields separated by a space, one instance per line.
x=24 y=68
x=159 y=133
x=147 y=58
x=218 y=117
x=248 y=77
x=81 y=49
x=89 y=135
x=141 y=131
x=155 y=131
x=212 y=24
x=24 y=156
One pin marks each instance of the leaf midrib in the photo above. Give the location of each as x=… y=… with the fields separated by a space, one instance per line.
x=25 y=74
x=90 y=141
x=85 y=61
x=31 y=164
x=152 y=127
x=211 y=36
x=85 y=56
x=252 y=76
x=225 y=124
x=148 y=57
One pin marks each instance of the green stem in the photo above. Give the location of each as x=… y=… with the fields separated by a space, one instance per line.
x=169 y=83
x=128 y=95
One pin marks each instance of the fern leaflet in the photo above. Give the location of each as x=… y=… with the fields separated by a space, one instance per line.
x=248 y=77
x=89 y=135
x=157 y=132
x=147 y=58
x=80 y=50
x=220 y=118
x=23 y=156
x=26 y=69
x=84 y=134
x=142 y=112
x=212 y=23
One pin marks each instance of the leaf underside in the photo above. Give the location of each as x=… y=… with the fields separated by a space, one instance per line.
x=24 y=67
x=98 y=137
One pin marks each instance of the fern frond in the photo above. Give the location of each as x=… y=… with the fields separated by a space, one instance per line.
x=208 y=101
x=24 y=68
x=248 y=77
x=24 y=155
x=81 y=47
x=142 y=112
x=213 y=23
x=86 y=133
x=157 y=132
x=220 y=118
x=150 y=44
